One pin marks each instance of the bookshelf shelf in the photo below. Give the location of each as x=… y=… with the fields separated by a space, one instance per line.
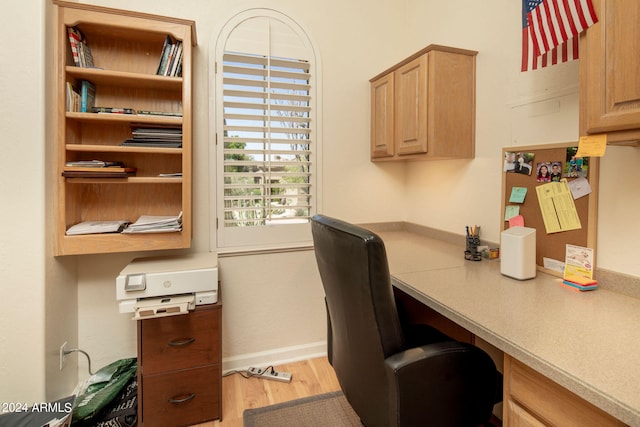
x=130 y=180
x=125 y=79
x=120 y=149
x=123 y=118
x=126 y=49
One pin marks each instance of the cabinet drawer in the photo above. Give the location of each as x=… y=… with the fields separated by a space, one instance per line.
x=181 y=398
x=180 y=342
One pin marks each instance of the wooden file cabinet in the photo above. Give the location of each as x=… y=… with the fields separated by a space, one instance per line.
x=179 y=368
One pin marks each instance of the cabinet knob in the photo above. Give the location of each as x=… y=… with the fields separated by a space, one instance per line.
x=178 y=343
x=187 y=398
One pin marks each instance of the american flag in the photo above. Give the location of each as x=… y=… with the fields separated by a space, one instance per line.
x=550 y=30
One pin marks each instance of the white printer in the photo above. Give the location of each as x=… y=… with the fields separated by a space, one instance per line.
x=166 y=286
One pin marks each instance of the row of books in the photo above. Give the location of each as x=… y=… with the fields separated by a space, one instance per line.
x=144 y=224
x=170 y=63
x=170 y=58
x=82 y=99
x=82 y=56
x=120 y=110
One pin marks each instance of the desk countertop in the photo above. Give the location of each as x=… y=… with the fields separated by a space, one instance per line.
x=588 y=342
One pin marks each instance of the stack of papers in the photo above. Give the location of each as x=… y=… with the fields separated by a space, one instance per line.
x=94 y=227
x=156 y=224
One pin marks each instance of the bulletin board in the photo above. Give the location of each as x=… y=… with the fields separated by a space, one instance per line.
x=550 y=245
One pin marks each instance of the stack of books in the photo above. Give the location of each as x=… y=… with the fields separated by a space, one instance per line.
x=81 y=52
x=155 y=224
x=97 y=169
x=170 y=58
x=578 y=283
x=169 y=136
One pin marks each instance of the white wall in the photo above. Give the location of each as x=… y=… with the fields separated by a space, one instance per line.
x=513 y=108
x=22 y=268
x=356 y=41
x=273 y=307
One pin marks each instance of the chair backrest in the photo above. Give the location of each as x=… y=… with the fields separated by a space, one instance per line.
x=364 y=323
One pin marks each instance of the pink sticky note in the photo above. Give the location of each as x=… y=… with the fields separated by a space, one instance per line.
x=516 y=220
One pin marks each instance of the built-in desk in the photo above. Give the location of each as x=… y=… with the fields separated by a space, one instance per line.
x=589 y=342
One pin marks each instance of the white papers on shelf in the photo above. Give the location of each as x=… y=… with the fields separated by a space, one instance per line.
x=93 y=227
x=155 y=224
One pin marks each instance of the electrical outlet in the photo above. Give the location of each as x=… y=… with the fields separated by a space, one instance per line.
x=63 y=355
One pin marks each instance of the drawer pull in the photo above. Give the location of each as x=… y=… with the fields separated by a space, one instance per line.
x=178 y=343
x=183 y=399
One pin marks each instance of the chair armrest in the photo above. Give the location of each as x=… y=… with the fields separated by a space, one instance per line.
x=446 y=375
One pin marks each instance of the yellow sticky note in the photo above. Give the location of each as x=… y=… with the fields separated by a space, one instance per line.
x=592 y=145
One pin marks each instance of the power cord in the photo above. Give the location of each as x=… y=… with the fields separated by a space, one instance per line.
x=72 y=350
x=246 y=374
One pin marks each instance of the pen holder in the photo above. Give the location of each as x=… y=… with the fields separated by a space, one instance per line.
x=471 y=253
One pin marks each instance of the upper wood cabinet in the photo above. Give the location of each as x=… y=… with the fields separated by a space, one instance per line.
x=126 y=49
x=424 y=107
x=609 y=77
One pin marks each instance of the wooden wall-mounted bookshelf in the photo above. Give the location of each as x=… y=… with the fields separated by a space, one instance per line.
x=126 y=48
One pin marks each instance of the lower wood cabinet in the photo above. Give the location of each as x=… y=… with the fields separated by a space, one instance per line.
x=179 y=368
x=531 y=399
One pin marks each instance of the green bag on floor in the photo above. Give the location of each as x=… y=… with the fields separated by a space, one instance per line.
x=104 y=386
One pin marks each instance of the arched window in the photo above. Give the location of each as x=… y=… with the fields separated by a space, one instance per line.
x=267 y=132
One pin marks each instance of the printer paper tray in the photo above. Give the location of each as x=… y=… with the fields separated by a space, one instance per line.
x=165 y=306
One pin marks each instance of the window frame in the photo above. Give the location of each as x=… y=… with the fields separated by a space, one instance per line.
x=264 y=237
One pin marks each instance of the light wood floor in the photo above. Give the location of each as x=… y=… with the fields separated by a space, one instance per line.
x=308 y=378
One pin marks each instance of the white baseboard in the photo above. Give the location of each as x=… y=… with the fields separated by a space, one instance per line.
x=275 y=357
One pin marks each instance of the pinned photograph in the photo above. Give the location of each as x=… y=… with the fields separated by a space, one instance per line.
x=543 y=172
x=575 y=166
x=518 y=162
x=556 y=171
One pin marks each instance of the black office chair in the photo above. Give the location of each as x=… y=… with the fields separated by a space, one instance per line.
x=390 y=374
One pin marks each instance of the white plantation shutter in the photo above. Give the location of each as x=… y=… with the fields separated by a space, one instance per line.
x=266 y=143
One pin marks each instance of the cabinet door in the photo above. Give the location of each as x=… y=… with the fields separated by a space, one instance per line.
x=411 y=107
x=382 y=117
x=609 y=60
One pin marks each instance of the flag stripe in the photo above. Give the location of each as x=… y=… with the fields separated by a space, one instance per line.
x=525 y=49
x=551 y=28
x=583 y=21
x=572 y=25
x=560 y=22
